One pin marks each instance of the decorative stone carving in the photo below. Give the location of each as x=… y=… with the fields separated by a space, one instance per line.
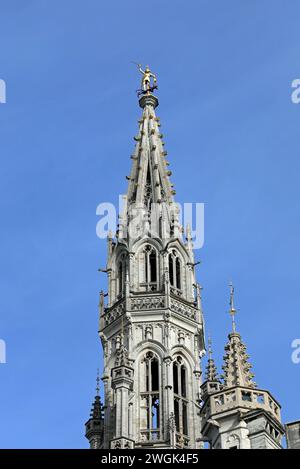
x=122 y=443
x=114 y=313
x=147 y=303
x=148 y=332
x=183 y=309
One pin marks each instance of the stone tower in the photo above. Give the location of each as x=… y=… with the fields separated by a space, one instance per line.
x=236 y=414
x=151 y=326
x=94 y=427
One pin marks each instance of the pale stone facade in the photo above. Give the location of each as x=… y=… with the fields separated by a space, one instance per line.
x=152 y=331
x=151 y=327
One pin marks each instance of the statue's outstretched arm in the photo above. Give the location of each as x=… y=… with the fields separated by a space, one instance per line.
x=141 y=70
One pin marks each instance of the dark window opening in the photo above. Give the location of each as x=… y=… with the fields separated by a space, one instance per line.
x=178 y=279
x=146 y=267
x=183 y=381
x=184 y=419
x=180 y=396
x=147 y=376
x=154 y=375
x=175 y=378
x=171 y=270
x=176 y=412
x=150 y=397
x=149 y=276
x=175 y=271
x=152 y=259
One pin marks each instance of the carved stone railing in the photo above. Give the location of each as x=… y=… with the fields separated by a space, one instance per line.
x=183 y=309
x=148 y=303
x=241 y=397
x=145 y=303
x=113 y=313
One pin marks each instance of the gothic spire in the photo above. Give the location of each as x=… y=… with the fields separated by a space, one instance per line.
x=149 y=178
x=94 y=427
x=150 y=194
x=236 y=366
x=96 y=411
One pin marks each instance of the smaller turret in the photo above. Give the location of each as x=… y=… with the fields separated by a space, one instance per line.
x=94 y=427
x=212 y=382
x=237 y=415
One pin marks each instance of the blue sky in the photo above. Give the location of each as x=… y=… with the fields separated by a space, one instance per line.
x=232 y=134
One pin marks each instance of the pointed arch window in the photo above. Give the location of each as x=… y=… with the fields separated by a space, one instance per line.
x=180 y=396
x=150 y=397
x=148 y=268
x=175 y=273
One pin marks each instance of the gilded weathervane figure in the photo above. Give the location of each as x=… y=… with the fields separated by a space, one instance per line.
x=149 y=80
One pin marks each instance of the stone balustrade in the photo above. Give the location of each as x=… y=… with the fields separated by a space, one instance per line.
x=245 y=398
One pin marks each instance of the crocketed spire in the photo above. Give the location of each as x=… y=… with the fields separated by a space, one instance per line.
x=149 y=178
x=150 y=193
x=97 y=409
x=236 y=365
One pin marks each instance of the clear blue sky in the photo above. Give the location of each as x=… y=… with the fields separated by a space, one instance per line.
x=232 y=133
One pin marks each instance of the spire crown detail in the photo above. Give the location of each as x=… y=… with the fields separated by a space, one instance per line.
x=232 y=310
x=236 y=366
x=148 y=100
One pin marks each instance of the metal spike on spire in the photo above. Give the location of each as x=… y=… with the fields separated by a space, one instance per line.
x=236 y=365
x=232 y=310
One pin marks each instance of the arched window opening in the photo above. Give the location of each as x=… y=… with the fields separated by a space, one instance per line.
x=176 y=412
x=150 y=399
x=148 y=269
x=171 y=273
x=175 y=273
x=184 y=419
x=183 y=380
x=180 y=397
x=175 y=377
x=178 y=273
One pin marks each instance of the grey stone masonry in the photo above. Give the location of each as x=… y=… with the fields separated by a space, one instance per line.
x=151 y=326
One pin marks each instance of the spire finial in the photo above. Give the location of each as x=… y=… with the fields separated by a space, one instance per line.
x=232 y=310
x=98 y=383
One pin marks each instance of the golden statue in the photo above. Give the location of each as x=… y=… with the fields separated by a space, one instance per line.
x=146 y=85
